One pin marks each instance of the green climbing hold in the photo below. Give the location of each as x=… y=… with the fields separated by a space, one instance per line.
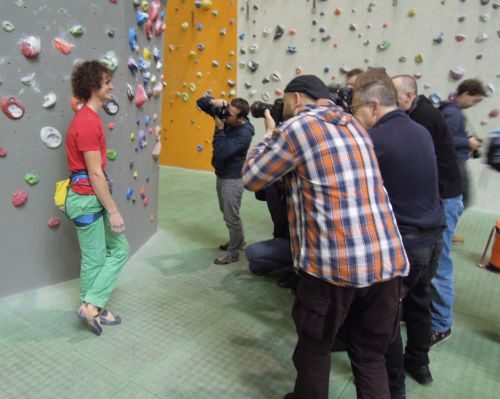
x=192 y=87
x=384 y=45
x=77 y=30
x=185 y=96
x=111 y=153
x=32 y=178
x=371 y=6
x=402 y=59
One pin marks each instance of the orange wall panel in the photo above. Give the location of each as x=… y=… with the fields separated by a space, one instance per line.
x=189 y=76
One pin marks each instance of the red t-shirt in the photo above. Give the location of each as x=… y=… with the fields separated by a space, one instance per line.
x=85 y=133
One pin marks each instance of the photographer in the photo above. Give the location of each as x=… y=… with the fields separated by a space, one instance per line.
x=232 y=137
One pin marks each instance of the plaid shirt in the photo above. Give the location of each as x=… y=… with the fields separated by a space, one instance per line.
x=342 y=225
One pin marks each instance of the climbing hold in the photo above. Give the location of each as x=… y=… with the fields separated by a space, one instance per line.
x=247 y=85
x=146 y=54
x=484 y=17
x=30 y=46
x=229 y=65
x=49 y=100
x=111 y=107
x=241 y=36
x=223 y=32
x=54 y=222
x=417 y=75
x=484 y=2
x=132 y=39
x=143 y=64
x=28 y=79
x=460 y=37
x=111 y=153
x=145 y=201
x=154 y=10
x=77 y=30
x=292 y=49
x=371 y=6
x=231 y=83
x=292 y=32
x=50 y=136
x=254 y=48
x=129 y=193
x=252 y=65
x=326 y=69
x=147 y=120
x=338 y=11
x=280 y=30
x=276 y=76
x=143 y=191
x=439 y=38
x=111 y=125
x=461 y=18
x=148 y=29
x=482 y=38
x=63 y=46
x=419 y=58
x=489 y=89
x=266 y=80
x=215 y=63
x=141 y=17
x=322 y=30
x=141 y=136
x=494 y=113
x=265 y=96
x=266 y=32
x=7 y=26
x=384 y=45
x=199 y=26
x=483 y=122
x=133 y=136
x=412 y=12
x=185 y=25
x=366 y=42
x=243 y=50
x=326 y=38
x=278 y=92
x=479 y=56
x=201 y=47
x=427 y=86
x=149 y=91
x=140 y=97
x=298 y=70
x=353 y=27
x=13 y=108
x=402 y=59
x=132 y=65
x=76 y=104
x=110 y=61
x=111 y=33
x=385 y=25
x=435 y=98
x=3 y=152
x=457 y=73
x=232 y=93
x=157 y=90
x=496 y=5
x=130 y=92
x=19 y=198
x=135 y=175
x=32 y=178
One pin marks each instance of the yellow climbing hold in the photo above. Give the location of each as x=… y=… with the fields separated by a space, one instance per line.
x=133 y=136
x=412 y=12
x=419 y=58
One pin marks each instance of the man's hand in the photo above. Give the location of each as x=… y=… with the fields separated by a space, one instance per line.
x=269 y=123
x=218 y=123
x=117 y=223
x=218 y=102
x=474 y=143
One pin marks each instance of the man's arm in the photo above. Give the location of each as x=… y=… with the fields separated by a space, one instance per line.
x=101 y=190
x=455 y=122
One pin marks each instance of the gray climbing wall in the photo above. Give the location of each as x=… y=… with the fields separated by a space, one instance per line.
x=328 y=38
x=32 y=254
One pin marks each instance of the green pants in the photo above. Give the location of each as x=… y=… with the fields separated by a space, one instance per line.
x=103 y=253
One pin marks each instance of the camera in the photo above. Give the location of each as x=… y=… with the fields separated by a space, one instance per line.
x=344 y=98
x=258 y=108
x=221 y=112
x=476 y=153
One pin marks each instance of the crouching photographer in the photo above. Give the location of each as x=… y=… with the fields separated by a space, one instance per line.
x=232 y=136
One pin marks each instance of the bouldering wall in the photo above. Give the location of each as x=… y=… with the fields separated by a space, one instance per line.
x=200 y=57
x=41 y=42
x=439 y=42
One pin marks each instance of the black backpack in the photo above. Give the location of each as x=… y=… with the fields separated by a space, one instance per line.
x=493 y=150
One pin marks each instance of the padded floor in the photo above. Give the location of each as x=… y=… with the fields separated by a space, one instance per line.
x=196 y=330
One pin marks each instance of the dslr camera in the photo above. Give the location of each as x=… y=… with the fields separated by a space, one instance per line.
x=221 y=112
x=257 y=109
x=344 y=98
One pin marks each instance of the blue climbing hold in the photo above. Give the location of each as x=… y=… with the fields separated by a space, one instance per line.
x=138 y=121
x=199 y=26
x=199 y=148
x=241 y=36
x=143 y=64
x=292 y=48
x=141 y=17
x=132 y=39
x=201 y=47
x=132 y=66
x=147 y=120
x=130 y=192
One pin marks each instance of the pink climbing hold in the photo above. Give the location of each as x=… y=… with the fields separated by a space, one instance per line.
x=457 y=73
x=145 y=201
x=148 y=28
x=3 y=152
x=143 y=191
x=494 y=113
x=298 y=71
x=385 y=25
x=30 y=46
x=19 y=198
x=63 y=46
x=154 y=10
x=459 y=38
x=159 y=27
x=13 y=108
x=54 y=222
x=338 y=11
x=292 y=32
x=278 y=92
x=140 y=96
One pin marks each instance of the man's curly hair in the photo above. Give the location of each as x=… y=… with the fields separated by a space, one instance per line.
x=86 y=77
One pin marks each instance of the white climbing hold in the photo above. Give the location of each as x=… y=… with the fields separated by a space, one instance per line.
x=49 y=100
x=51 y=137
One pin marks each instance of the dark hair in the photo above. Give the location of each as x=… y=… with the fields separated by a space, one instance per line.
x=242 y=105
x=473 y=87
x=353 y=72
x=86 y=77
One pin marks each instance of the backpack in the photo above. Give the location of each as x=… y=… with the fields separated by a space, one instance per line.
x=493 y=150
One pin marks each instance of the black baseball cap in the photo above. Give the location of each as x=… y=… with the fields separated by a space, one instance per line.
x=311 y=85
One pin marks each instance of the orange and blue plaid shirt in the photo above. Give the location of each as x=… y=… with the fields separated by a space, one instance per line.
x=342 y=226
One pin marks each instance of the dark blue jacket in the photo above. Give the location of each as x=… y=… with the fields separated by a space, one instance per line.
x=405 y=153
x=230 y=144
x=455 y=120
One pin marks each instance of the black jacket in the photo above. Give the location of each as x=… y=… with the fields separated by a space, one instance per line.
x=275 y=197
x=405 y=154
x=230 y=144
x=424 y=113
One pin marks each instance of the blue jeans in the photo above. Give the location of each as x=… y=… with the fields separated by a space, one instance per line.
x=442 y=284
x=270 y=255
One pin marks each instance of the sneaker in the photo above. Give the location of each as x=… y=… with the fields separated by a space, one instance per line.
x=437 y=337
x=457 y=240
x=421 y=374
x=224 y=247
x=227 y=257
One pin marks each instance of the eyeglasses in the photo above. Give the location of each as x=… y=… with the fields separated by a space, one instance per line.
x=356 y=106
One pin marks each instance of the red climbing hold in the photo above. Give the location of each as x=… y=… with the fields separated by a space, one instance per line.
x=14 y=109
x=140 y=96
x=3 y=152
x=30 y=46
x=54 y=222
x=63 y=46
x=143 y=191
x=19 y=198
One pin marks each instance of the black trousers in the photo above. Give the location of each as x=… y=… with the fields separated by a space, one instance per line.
x=369 y=317
x=417 y=315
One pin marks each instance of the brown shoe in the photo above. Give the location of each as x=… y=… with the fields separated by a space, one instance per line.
x=457 y=240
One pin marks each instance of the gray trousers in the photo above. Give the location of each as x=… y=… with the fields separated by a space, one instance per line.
x=229 y=193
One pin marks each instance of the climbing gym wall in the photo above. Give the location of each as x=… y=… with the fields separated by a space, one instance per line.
x=439 y=42
x=41 y=42
x=200 y=58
